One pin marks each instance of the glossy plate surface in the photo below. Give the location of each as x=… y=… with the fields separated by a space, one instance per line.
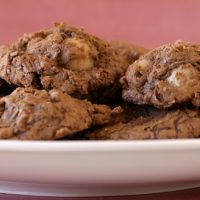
x=98 y=168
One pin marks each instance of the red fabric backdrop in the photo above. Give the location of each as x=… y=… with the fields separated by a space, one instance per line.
x=146 y=22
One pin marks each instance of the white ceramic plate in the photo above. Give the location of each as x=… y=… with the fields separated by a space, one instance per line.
x=98 y=168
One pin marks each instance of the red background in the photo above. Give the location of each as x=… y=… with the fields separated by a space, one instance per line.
x=145 y=22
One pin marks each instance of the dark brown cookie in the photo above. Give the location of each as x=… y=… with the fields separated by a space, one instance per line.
x=166 y=76
x=128 y=52
x=64 y=58
x=166 y=125
x=122 y=114
x=37 y=114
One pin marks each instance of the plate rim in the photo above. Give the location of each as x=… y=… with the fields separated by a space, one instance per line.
x=100 y=146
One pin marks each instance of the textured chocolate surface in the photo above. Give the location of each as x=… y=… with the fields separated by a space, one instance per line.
x=173 y=124
x=166 y=76
x=37 y=114
x=65 y=58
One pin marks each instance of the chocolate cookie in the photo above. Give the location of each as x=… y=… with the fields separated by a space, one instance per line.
x=37 y=114
x=64 y=58
x=166 y=125
x=128 y=52
x=166 y=76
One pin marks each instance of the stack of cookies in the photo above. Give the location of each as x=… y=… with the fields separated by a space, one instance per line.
x=63 y=83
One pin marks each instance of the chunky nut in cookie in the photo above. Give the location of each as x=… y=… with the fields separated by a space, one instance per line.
x=37 y=114
x=165 y=76
x=64 y=58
